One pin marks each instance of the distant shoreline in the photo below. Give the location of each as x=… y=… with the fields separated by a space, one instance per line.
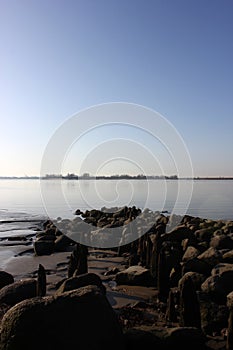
x=123 y=177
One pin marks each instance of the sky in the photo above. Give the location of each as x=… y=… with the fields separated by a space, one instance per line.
x=58 y=58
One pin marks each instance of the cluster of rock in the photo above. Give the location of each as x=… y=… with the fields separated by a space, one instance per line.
x=188 y=260
x=51 y=239
x=103 y=228
x=78 y=315
x=108 y=227
x=192 y=268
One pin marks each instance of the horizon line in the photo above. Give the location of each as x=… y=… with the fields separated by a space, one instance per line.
x=115 y=176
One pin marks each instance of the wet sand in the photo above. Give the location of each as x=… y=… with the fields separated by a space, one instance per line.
x=22 y=263
x=17 y=257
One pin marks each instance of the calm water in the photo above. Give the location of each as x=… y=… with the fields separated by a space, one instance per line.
x=211 y=199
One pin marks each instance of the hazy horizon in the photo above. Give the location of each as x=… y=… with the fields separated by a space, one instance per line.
x=59 y=58
x=156 y=176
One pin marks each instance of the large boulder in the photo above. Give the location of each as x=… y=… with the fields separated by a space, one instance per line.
x=43 y=247
x=204 y=234
x=220 y=268
x=140 y=338
x=228 y=257
x=219 y=286
x=80 y=319
x=62 y=242
x=18 y=291
x=230 y=300
x=197 y=279
x=134 y=275
x=178 y=234
x=183 y=338
x=221 y=242
x=190 y=253
x=214 y=317
x=79 y=281
x=211 y=256
x=196 y=265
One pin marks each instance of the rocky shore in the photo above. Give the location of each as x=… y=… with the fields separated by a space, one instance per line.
x=172 y=285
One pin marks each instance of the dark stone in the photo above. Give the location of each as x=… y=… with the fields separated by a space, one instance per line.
x=219 y=286
x=134 y=275
x=221 y=242
x=137 y=338
x=62 y=242
x=213 y=316
x=204 y=234
x=189 y=304
x=196 y=265
x=178 y=234
x=82 y=319
x=228 y=257
x=81 y=281
x=182 y=338
x=78 y=212
x=41 y=281
x=5 y=279
x=18 y=291
x=46 y=237
x=43 y=247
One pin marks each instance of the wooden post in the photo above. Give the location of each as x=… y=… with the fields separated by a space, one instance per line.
x=41 y=281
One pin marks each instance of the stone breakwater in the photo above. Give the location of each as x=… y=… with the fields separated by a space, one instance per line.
x=182 y=268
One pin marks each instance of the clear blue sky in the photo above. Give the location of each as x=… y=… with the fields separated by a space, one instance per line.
x=59 y=57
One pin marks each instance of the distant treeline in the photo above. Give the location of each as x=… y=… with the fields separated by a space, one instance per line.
x=214 y=178
x=111 y=177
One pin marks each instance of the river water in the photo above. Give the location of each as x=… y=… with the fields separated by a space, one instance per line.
x=212 y=199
